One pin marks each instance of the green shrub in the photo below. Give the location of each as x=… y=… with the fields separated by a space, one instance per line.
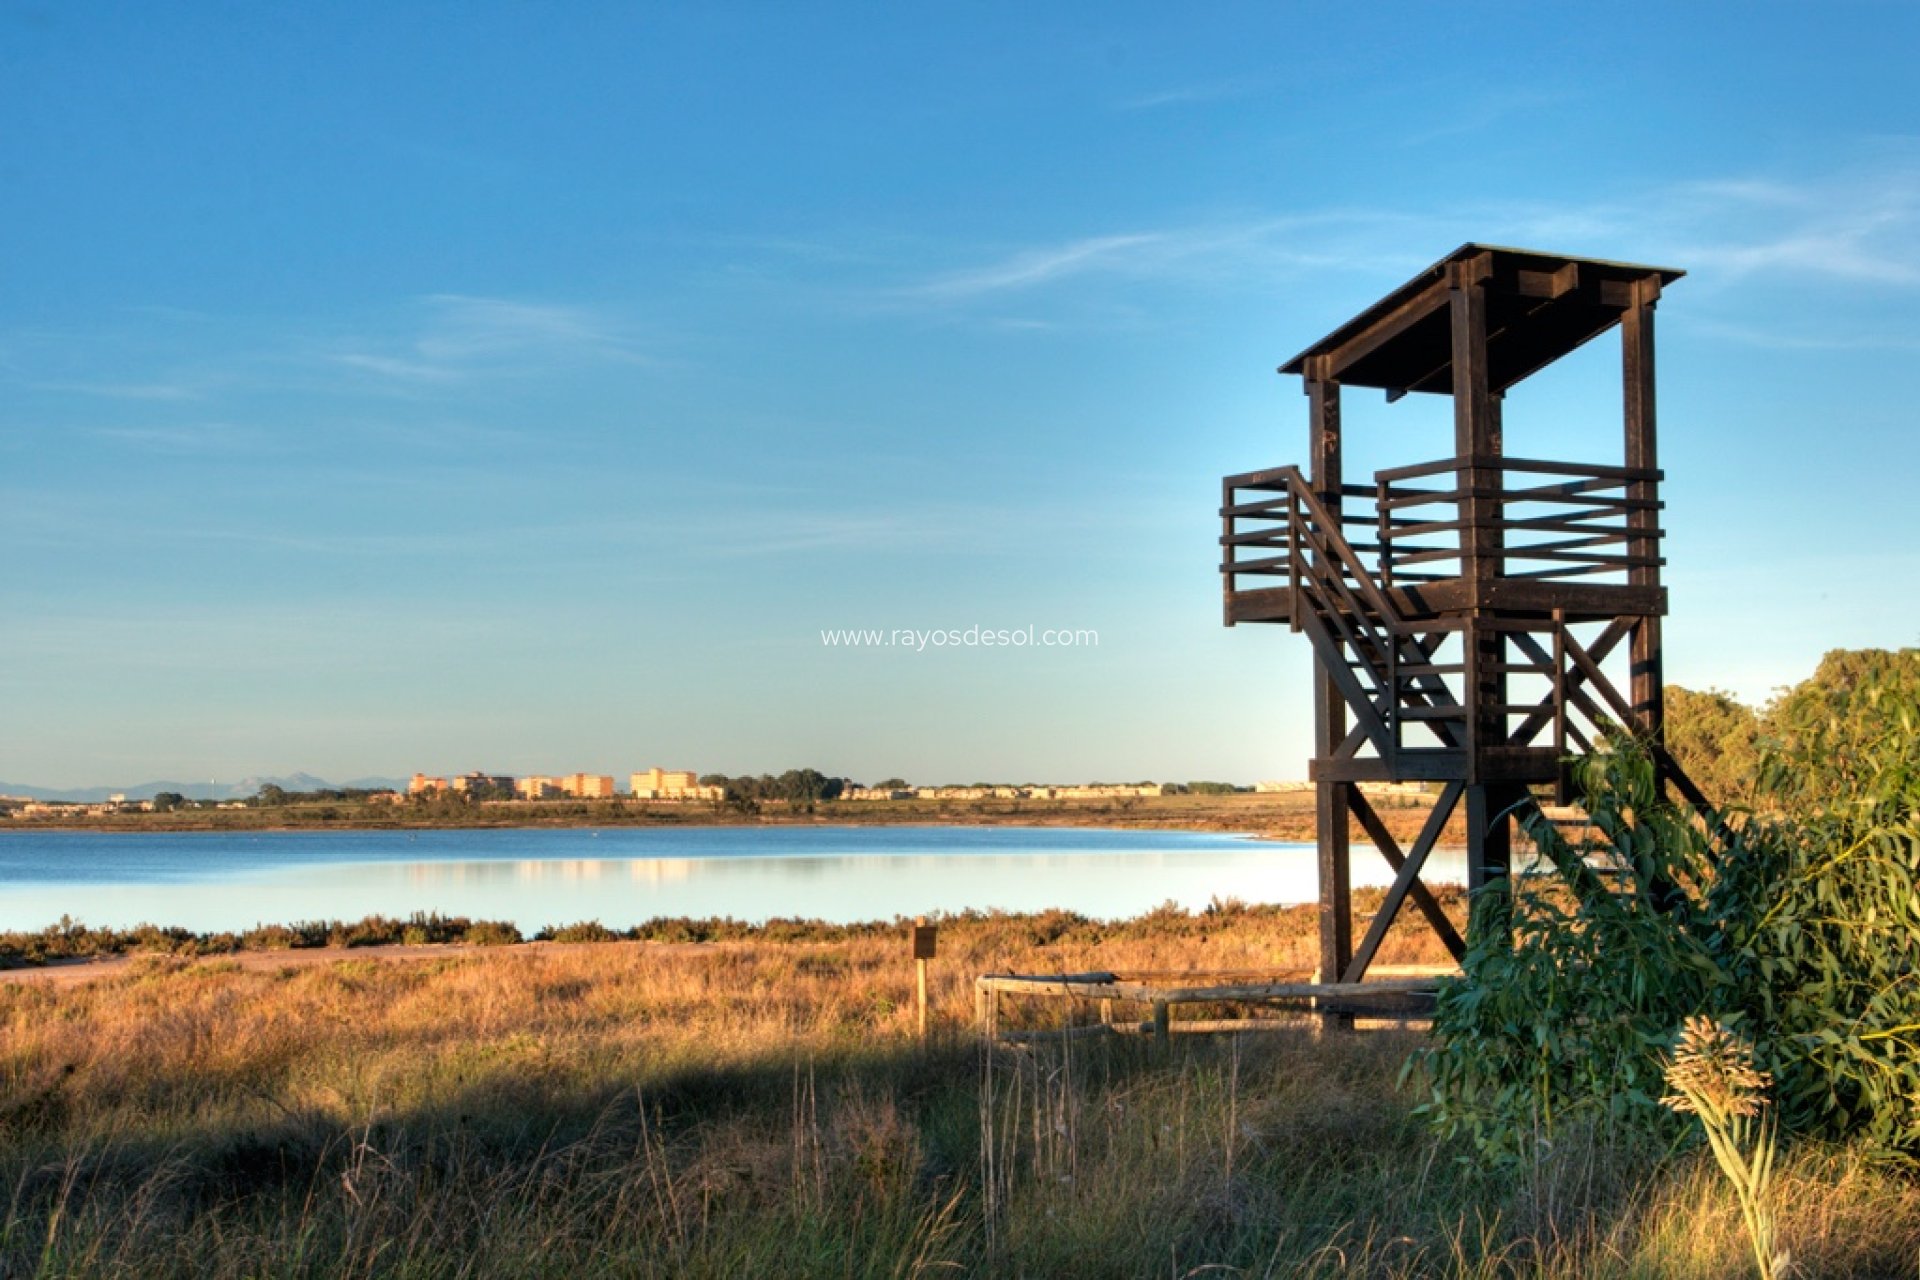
x=1800 y=928
x=1818 y=913
x=491 y=933
x=585 y=931
x=1562 y=1026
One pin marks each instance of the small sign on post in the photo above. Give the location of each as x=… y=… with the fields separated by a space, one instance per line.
x=925 y=938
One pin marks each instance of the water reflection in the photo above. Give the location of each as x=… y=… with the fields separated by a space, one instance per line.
x=747 y=876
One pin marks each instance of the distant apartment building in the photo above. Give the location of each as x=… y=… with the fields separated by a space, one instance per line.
x=1086 y=791
x=421 y=783
x=1403 y=790
x=1396 y=790
x=1098 y=791
x=537 y=788
x=586 y=786
x=878 y=793
x=483 y=782
x=673 y=784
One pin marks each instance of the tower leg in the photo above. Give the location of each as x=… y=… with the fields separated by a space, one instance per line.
x=1490 y=816
x=1336 y=879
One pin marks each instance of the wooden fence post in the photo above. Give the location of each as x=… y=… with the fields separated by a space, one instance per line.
x=925 y=938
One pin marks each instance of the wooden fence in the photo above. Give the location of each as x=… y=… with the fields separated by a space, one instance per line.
x=1403 y=997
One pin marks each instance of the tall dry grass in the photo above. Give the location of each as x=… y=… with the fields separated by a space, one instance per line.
x=750 y=1108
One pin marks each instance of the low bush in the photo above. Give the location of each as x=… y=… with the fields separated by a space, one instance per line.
x=585 y=931
x=1799 y=927
x=490 y=933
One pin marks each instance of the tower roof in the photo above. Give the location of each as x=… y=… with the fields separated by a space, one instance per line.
x=1540 y=306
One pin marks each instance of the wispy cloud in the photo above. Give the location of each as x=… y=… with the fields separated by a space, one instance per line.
x=1875 y=249
x=421 y=346
x=1223 y=90
x=460 y=337
x=1030 y=267
x=1851 y=228
x=1856 y=226
x=160 y=391
x=199 y=438
x=1474 y=112
x=1754 y=336
x=1210 y=253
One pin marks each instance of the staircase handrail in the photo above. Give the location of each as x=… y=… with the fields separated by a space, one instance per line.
x=1323 y=533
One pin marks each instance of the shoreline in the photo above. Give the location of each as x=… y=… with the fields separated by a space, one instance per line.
x=1285 y=816
x=60 y=956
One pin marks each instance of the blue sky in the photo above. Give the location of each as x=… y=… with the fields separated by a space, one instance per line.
x=486 y=386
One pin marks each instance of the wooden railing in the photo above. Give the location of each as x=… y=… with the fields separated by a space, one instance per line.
x=1384 y=667
x=1393 y=660
x=1389 y=667
x=1275 y=511
x=1577 y=520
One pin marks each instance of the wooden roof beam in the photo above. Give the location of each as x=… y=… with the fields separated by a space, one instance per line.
x=1644 y=291
x=1382 y=331
x=1547 y=284
x=1396 y=344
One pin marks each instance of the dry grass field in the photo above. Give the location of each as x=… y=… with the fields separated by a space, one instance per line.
x=762 y=1108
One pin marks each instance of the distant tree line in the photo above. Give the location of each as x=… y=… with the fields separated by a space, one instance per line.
x=795 y=786
x=273 y=796
x=1721 y=741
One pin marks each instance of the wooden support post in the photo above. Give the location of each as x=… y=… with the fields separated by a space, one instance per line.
x=1477 y=815
x=1323 y=418
x=1471 y=657
x=1562 y=772
x=1490 y=815
x=1162 y=1022
x=925 y=943
x=1477 y=439
x=1329 y=705
x=1476 y=422
x=1336 y=875
x=1636 y=344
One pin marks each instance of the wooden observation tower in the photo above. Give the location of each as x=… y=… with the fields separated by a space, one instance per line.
x=1477 y=618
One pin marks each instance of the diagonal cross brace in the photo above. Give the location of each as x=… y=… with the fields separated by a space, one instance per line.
x=1406 y=880
x=1604 y=644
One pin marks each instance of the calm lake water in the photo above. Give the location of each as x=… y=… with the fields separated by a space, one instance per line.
x=234 y=880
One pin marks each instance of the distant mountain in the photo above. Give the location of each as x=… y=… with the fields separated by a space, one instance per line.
x=240 y=790
x=93 y=795
x=292 y=782
x=376 y=784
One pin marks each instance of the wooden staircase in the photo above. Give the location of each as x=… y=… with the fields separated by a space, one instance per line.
x=1408 y=705
x=1382 y=664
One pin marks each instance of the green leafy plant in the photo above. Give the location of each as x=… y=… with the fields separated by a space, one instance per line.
x=1801 y=921
x=1575 y=980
